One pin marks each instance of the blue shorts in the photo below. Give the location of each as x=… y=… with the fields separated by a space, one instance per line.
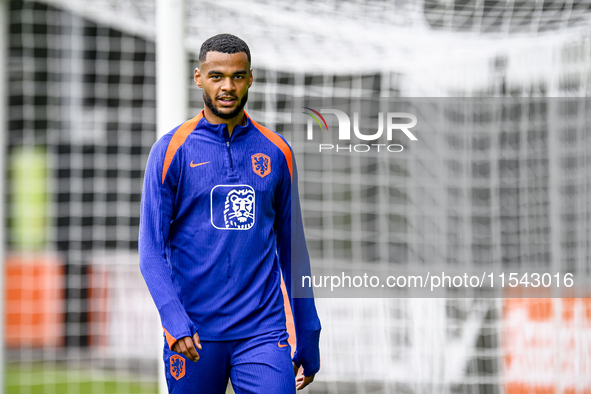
x=256 y=365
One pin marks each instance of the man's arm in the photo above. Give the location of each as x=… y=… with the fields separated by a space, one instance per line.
x=157 y=209
x=295 y=262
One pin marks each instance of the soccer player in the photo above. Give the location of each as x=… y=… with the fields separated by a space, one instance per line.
x=220 y=224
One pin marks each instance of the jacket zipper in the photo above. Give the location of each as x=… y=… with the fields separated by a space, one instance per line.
x=230 y=155
x=229 y=152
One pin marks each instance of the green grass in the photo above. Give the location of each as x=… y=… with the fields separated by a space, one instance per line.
x=42 y=379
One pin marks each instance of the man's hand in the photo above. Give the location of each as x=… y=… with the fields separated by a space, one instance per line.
x=187 y=346
x=301 y=380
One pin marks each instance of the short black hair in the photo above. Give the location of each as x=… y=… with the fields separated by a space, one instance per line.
x=224 y=43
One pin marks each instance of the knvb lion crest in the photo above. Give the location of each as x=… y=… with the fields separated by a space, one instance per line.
x=177 y=366
x=261 y=164
x=239 y=209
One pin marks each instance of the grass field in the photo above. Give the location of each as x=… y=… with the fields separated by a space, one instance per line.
x=42 y=379
x=39 y=378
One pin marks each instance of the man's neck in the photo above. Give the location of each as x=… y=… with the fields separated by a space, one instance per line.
x=239 y=119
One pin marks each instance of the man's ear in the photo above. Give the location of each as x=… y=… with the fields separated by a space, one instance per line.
x=198 y=78
x=250 y=78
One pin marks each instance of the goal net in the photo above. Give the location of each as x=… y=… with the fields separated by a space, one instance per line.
x=509 y=188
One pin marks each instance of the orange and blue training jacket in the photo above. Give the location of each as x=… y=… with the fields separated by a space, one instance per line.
x=220 y=223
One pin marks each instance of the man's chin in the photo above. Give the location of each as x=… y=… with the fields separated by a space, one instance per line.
x=226 y=110
x=227 y=113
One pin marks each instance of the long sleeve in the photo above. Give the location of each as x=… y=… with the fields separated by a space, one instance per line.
x=295 y=263
x=157 y=207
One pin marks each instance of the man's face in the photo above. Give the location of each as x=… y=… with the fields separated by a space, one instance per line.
x=225 y=79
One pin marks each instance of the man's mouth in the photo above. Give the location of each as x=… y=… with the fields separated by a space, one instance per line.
x=227 y=100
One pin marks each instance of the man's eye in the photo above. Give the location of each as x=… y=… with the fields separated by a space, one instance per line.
x=239 y=76
x=215 y=77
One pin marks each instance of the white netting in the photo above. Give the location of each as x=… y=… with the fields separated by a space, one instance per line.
x=81 y=125
x=509 y=189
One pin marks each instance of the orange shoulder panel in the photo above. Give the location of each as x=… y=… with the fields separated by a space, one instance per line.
x=278 y=141
x=178 y=139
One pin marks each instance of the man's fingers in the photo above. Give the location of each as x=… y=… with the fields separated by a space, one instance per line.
x=301 y=380
x=304 y=381
x=197 y=341
x=191 y=352
x=185 y=346
x=181 y=346
x=189 y=349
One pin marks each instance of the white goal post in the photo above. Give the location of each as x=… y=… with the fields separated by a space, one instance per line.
x=171 y=88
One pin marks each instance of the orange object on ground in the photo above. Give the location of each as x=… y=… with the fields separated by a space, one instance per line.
x=34 y=301
x=545 y=345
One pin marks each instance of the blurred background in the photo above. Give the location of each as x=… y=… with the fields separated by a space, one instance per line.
x=506 y=185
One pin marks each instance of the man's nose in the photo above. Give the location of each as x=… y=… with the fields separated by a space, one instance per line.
x=228 y=84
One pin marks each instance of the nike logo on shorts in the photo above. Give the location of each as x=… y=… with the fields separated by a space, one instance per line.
x=280 y=345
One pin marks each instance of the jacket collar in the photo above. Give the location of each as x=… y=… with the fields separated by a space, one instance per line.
x=221 y=130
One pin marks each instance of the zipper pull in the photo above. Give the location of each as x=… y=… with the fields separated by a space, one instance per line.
x=228 y=144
